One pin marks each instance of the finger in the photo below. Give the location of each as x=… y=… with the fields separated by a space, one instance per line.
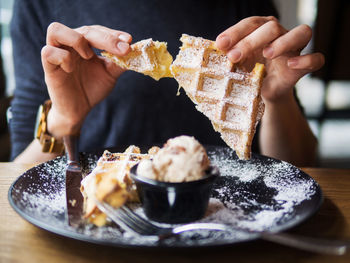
x=230 y=37
x=293 y=40
x=53 y=57
x=61 y=35
x=258 y=39
x=123 y=36
x=114 y=41
x=309 y=62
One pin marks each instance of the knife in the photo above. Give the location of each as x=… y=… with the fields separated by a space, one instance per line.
x=74 y=198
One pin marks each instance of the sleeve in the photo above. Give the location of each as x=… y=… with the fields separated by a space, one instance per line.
x=28 y=33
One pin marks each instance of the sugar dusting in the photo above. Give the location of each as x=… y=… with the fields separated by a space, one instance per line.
x=44 y=195
x=255 y=195
x=265 y=195
x=229 y=97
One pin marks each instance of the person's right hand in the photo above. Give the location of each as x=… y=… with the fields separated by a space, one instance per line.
x=77 y=79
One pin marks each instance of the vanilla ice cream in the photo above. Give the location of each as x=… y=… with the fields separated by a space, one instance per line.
x=182 y=159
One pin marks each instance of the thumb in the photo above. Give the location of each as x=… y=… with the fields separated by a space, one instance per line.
x=112 y=68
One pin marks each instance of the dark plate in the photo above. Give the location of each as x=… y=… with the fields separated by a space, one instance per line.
x=262 y=194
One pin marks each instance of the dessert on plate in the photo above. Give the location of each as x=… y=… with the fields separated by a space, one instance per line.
x=176 y=184
x=227 y=95
x=109 y=181
x=182 y=160
x=146 y=56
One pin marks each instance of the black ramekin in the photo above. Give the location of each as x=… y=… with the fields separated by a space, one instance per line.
x=174 y=203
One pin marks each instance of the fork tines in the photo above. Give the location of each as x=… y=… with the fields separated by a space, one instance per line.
x=129 y=220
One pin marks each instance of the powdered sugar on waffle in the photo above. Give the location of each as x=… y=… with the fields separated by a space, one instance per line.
x=138 y=59
x=142 y=63
x=229 y=97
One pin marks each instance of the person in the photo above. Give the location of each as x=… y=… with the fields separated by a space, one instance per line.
x=108 y=107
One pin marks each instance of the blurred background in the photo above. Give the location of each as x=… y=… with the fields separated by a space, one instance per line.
x=324 y=95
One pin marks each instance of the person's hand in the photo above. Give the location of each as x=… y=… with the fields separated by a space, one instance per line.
x=77 y=79
x=263 y=39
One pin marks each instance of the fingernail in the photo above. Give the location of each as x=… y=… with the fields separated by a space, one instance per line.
x=224 y=42
x=124 y=37
x=268 y=52
x=292 y=63
x=122 y=46
x=234 y=55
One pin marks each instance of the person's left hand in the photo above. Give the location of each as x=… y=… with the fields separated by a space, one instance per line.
x=263 y=39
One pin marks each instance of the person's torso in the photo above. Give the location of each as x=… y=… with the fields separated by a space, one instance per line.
x=141 y=110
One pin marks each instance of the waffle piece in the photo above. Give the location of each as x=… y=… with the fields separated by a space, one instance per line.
x=228 y=96
x=110 y=182
x=146 y=56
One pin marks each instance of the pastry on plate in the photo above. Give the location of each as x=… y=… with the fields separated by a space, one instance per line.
x=110 y=182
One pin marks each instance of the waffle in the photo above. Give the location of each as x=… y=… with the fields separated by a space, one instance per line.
x=227 y=95
x=110 y=182
x=146 y=56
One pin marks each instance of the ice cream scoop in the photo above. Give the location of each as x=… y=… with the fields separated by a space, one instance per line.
x=182 y=159
x=176 y=185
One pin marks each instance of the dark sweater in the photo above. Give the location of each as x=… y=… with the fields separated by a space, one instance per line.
x=139 y=110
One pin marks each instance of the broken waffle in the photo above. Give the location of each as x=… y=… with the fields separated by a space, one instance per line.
x=146 y=56
x=110 y=182
x=228 y=96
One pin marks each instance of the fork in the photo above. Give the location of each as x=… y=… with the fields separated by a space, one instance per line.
x=134 y=223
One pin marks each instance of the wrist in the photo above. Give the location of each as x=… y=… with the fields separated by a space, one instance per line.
x=279 y=101
x=277 y=110
x=276 y=93
x=59 y=125
x=49 y=144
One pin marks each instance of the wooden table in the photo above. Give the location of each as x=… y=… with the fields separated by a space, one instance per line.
x=22 y=242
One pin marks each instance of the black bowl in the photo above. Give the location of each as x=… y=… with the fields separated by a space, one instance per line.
x=174 y=203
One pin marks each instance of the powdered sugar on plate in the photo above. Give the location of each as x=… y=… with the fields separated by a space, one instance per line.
x=261 y=194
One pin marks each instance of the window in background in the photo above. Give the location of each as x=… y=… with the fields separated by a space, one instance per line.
x=6 y=45
x=333 y=134
x=7 y=78
x=333 y=131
